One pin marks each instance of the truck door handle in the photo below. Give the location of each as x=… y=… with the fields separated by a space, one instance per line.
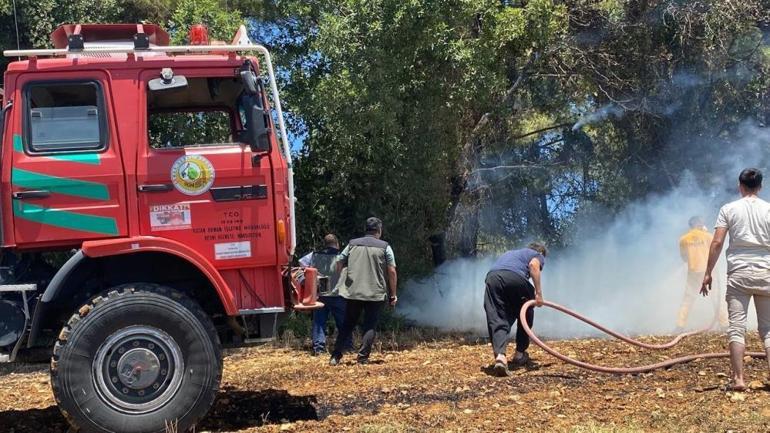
x=21 y=195
x=155 y=187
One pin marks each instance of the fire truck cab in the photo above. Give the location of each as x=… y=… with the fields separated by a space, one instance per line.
x=147 y=218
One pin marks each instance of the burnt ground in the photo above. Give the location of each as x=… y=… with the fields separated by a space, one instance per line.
x=442 y=386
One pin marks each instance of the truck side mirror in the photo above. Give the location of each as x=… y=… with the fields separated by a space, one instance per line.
x=249 y=80
x=257 y=133
x=251 y=83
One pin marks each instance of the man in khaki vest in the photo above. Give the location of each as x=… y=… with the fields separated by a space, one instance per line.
x=368 y=277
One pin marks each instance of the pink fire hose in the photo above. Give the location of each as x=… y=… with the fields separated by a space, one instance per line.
x=620 y=370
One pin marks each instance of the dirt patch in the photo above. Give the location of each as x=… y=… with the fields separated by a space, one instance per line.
x=443 y=386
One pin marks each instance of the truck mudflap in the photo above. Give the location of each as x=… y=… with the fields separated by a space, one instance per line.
x=304 y=289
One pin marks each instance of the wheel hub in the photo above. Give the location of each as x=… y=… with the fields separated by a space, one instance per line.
x=138 y=369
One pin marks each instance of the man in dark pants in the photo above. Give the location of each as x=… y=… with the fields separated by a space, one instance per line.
x=325 y=261
x=508 y=288
x=368 y=273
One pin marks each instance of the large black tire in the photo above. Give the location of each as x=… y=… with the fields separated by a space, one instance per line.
x=134 y=359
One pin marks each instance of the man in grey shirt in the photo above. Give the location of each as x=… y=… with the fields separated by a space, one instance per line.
x=747 y=220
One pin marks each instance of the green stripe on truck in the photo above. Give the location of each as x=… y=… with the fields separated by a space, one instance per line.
x=59 y=185
x=65 y=219
x=91 y=158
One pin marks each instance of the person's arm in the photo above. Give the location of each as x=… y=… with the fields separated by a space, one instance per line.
x=534 y=273
x=390 y=260
x=342 y=258
x=714 y=251
x=392 y=284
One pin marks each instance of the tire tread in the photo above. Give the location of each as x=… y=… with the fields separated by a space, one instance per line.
x=104 y=299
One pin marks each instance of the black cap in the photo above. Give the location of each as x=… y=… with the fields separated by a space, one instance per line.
x=373 y=224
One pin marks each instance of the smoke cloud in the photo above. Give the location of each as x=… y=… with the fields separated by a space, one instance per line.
x=627 y=275
x=668 y=99
x=609 y=110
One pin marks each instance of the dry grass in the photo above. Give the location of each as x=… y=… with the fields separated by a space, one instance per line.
x=384 y=428
x=440 y=385
x=598 y=428
x=172 y=426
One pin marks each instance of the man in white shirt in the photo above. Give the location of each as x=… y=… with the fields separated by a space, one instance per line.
x=747 y=220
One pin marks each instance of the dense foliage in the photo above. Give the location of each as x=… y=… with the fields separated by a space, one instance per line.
x=472 y=125
x=488 y=123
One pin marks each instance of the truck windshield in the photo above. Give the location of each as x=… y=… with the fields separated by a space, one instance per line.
x=205 y=113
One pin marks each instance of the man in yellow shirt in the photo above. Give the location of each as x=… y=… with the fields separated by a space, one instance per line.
x=694 y=249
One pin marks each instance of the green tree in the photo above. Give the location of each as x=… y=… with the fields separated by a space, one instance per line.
x=472 y=105
x=391 y=88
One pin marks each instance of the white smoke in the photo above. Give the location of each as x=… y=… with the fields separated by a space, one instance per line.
x=609 y=110
x=627 y=275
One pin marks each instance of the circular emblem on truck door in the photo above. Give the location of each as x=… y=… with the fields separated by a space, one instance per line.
x=192 y=174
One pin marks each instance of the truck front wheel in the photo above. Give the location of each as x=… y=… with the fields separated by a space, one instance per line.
x=136 y=359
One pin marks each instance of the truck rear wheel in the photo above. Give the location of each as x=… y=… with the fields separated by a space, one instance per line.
x=136 y=359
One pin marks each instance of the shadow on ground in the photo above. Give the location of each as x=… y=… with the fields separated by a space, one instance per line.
x=234 y=410
x=33 y=421
x=238 y=409
x=19 y=368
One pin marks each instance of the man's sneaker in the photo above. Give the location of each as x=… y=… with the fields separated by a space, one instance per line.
x=334 y=361
x=362 y=360
x=500 y=369
x=318 y=352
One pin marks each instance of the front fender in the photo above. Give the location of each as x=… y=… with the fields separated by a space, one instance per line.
x=103 y=248
x=112 y=247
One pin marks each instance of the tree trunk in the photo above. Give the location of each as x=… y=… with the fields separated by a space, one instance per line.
x=465 y=205
x=463 y=212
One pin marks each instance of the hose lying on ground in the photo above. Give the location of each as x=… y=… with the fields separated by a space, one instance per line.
x=620 y=370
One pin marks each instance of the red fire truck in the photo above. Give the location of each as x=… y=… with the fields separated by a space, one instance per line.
x=147 y=218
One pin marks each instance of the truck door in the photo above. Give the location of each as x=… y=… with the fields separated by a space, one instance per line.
x=67 y=176
x=198 y=184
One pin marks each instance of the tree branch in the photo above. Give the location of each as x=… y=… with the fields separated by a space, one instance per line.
x=547 y=128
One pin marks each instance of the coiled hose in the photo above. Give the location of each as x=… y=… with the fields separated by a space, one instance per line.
x=620 y=370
